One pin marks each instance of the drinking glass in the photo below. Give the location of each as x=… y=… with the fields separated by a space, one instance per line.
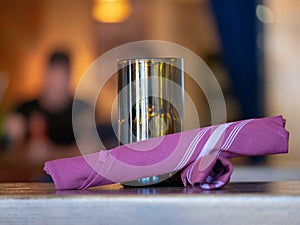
x=150 y=102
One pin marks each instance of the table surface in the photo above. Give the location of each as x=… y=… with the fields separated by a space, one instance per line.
x=237 y=203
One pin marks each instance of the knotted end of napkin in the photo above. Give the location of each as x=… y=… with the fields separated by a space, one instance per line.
x=209 y=172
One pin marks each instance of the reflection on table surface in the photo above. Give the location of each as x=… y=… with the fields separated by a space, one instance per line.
x=47 y=190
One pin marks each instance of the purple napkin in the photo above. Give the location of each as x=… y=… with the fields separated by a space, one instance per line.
x=200 y=154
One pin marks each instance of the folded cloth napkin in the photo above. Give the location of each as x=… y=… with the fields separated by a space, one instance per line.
x=200 y=155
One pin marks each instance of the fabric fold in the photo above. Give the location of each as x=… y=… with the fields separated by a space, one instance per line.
x=200 y=154
x=209 y=172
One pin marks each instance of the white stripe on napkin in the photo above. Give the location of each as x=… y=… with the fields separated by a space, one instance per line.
x=232 y=136
x=188 y=154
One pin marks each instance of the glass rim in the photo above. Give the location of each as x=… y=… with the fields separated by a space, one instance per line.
x=154 y=59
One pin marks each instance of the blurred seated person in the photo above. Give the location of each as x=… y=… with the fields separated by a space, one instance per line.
x=41 y=129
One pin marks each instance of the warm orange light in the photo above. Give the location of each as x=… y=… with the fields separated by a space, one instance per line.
x=111 y=11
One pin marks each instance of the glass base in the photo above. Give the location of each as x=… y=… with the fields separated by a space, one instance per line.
x=166 y=180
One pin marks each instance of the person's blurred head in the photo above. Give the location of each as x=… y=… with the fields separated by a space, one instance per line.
x=57 y=77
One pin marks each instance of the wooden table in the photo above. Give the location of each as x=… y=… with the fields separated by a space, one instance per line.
x=237 y=203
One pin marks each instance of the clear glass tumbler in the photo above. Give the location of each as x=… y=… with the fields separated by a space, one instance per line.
x=150 y=102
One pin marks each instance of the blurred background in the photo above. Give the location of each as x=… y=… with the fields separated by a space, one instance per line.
x=253 y=48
